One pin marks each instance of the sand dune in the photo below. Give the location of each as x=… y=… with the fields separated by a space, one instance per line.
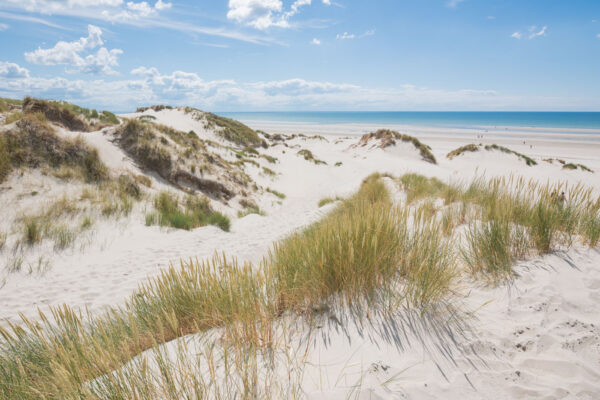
x=536 y=337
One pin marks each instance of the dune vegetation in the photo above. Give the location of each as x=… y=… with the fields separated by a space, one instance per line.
x=387 y=137
x=365 y=250
x=234 y=131
x=194 y=212
x=474 y=148
x=33 y=143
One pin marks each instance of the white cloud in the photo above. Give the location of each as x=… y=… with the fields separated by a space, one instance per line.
x=149 y=86
x=327 y=2
x=345 y=36
x=533 y=34
x=370 y=32
x=315 y=41
x=3 y=27
x=263 y=14
x=162 y=6
x=453 y=3
x=598 y=36
x=112 y=10
x=491 y=17
x=516 y=35
x=70 y=53
x=12 y=70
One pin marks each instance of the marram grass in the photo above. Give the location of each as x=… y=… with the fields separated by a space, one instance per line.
x=361 y=247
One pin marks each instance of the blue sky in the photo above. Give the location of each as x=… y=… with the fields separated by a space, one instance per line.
x=253 y=55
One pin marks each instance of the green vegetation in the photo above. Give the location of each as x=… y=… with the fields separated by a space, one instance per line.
x=510 y=218
x=269 y=171
x=473 y=148
x=338 y=164
x=195 y=212
x=462 y=150
x=308 y=156
x=234 y=131
x=575 y=166
x=364 y=251
x=388 y=137
x=327 y=200
x=529 y=161
x=33 y=143
x=251 y=209
x=181 y=159
x=276 y=193
x=269 y=158
x=356 y=252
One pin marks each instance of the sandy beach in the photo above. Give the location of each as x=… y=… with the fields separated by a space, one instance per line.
x=534 y=336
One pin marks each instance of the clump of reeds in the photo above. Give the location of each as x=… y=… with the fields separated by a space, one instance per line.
x=360 y=248
x=194 y=212
x=308 y=156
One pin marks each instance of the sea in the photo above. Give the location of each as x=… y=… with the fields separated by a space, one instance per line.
x=457 y=119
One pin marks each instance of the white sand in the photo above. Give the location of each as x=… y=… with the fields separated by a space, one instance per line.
x=551 y=309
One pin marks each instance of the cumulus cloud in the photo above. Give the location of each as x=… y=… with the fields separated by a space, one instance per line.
x=71 y=54
x=263 y=14
x=327 y=2
x=315 y=41
x=148 y=85
x=12 y=70
x=516 y=35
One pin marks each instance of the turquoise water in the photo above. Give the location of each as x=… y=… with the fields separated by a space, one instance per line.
x=459 y=119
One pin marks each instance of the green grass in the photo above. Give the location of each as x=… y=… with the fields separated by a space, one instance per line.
x=234 y=131
x=33 y=143
x=276 y=193
x=474 y=148
x=360 y=249
x=269 y=171
x=528 y=160
x=328 y=200
x=389 y=137
x=32 y=231
x=308 y=156
x=493 y=247
x=462 y=150
x=195 y=212
x=251 y=210
x=270 y=159
x=572 y=166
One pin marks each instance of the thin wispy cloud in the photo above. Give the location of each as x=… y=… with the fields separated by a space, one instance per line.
x=3 y=27
x=119 y=12
x=315 y=41
x=533 y=34
x=26 y=18
x=347 y=36
x=453 y=3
